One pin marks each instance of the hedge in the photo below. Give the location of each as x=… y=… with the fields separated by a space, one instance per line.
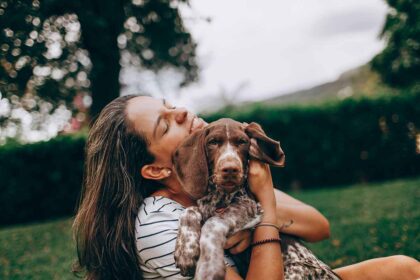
x=352 y=141
x=40 y=181
x=339 y=143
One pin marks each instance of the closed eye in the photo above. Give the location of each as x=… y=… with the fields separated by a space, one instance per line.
x=167 y=123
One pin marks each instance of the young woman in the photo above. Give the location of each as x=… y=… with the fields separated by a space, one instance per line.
x=126 y=224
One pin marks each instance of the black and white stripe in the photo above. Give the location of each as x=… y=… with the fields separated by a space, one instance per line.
x=156 y=233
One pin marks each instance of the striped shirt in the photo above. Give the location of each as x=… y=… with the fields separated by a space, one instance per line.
x=156 y=233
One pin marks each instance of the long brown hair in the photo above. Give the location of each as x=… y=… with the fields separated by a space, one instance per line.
x=113 y=189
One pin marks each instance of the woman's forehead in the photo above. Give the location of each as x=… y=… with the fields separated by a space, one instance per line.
x=143 y=112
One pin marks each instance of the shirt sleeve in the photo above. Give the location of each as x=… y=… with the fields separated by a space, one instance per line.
x=156 y=233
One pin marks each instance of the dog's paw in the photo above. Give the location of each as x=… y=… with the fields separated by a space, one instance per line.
x=185 y=262
x=253 y=222
x=186 y=255
x=210 y=270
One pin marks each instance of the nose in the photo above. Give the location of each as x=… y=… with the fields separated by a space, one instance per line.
x=181 y=115
x=230 y=168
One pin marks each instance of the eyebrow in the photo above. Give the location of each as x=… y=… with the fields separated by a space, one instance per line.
x=158 y=119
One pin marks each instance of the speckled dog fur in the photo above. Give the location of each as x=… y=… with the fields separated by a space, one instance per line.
x=203 y=229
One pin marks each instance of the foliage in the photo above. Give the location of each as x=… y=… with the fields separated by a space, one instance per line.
x=41 y=180
x=399 y=63
x=21 y=125
x=56 y=49
x=367 y=221
x=356 y=140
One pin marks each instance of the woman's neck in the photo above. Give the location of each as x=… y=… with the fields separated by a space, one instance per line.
x=173 y=190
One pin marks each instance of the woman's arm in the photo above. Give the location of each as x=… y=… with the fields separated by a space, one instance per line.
x=300 y=219
x=266 y=259
x=308 y=223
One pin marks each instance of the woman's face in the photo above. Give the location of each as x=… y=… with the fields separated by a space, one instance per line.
x=164 y=125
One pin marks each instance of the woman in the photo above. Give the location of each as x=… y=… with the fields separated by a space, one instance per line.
x=128 y=166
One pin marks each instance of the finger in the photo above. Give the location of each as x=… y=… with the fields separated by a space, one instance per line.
x=241 y=246
x=255 y=166
x=237 y=237
x=233 y=240
x=252 y=150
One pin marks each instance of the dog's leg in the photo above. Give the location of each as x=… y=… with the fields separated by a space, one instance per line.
x=187 y=248
x=256 y=219
x=246 y=213
x=211 y=264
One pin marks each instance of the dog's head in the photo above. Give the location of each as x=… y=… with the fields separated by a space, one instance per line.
x=223 y=149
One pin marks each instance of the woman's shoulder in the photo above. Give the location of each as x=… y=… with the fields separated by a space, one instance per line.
x=155 y=214
x=154 y=207
x=156 y=232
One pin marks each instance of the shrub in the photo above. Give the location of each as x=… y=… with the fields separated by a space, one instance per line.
x=333 y=144
x=340 y=143
x=40 y=180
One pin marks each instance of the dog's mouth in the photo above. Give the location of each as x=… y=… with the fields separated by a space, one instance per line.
x=229 y=184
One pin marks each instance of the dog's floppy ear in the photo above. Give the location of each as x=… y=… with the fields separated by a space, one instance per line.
x=190 y=164
x=264 y=149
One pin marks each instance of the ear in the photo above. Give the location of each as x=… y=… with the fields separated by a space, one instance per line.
x=190 y=164
x=153 y=172
x=264 y=149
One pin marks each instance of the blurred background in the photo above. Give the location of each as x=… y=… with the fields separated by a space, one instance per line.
x=338 y=83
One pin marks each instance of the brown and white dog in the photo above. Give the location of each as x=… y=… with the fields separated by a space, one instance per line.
x=212 y=167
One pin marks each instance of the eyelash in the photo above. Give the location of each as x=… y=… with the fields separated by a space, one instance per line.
x=167 y=124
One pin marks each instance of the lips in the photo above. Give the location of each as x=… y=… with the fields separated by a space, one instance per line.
x=197 y=123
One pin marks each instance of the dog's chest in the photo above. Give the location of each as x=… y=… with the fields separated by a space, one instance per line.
x=217 y=202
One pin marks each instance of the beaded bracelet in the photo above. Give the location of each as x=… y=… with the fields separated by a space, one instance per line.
x=264 y=241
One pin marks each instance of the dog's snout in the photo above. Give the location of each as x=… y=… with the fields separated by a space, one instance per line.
x=230 y=169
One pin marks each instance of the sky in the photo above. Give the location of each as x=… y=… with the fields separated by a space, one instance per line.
x=253 y=50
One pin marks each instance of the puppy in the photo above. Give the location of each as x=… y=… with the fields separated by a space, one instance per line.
x=212 y=167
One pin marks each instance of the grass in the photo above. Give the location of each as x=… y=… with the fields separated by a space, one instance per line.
x=38 y=251
x=367 y=221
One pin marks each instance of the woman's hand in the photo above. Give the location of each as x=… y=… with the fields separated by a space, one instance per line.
x=259 y=179
x=238 y=242
x=261 y=185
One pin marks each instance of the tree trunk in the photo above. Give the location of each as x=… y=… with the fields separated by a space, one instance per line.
x=104 y=78
x=101 y=24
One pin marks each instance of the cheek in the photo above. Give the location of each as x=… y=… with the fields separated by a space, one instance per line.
x=176 y=138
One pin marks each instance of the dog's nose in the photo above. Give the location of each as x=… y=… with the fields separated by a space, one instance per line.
x=230 y=169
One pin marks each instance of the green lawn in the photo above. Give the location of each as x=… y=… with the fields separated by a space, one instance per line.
x=367 y=221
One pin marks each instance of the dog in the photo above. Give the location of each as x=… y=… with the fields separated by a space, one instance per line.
x=212 y=167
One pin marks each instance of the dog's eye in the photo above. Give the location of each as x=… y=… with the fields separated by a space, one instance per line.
x=242 y=141
x=213 y=141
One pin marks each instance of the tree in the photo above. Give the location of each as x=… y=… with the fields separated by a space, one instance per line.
x=53 y=50
x=399 y=63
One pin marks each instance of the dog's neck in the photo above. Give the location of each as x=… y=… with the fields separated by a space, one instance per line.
x=218 y=199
